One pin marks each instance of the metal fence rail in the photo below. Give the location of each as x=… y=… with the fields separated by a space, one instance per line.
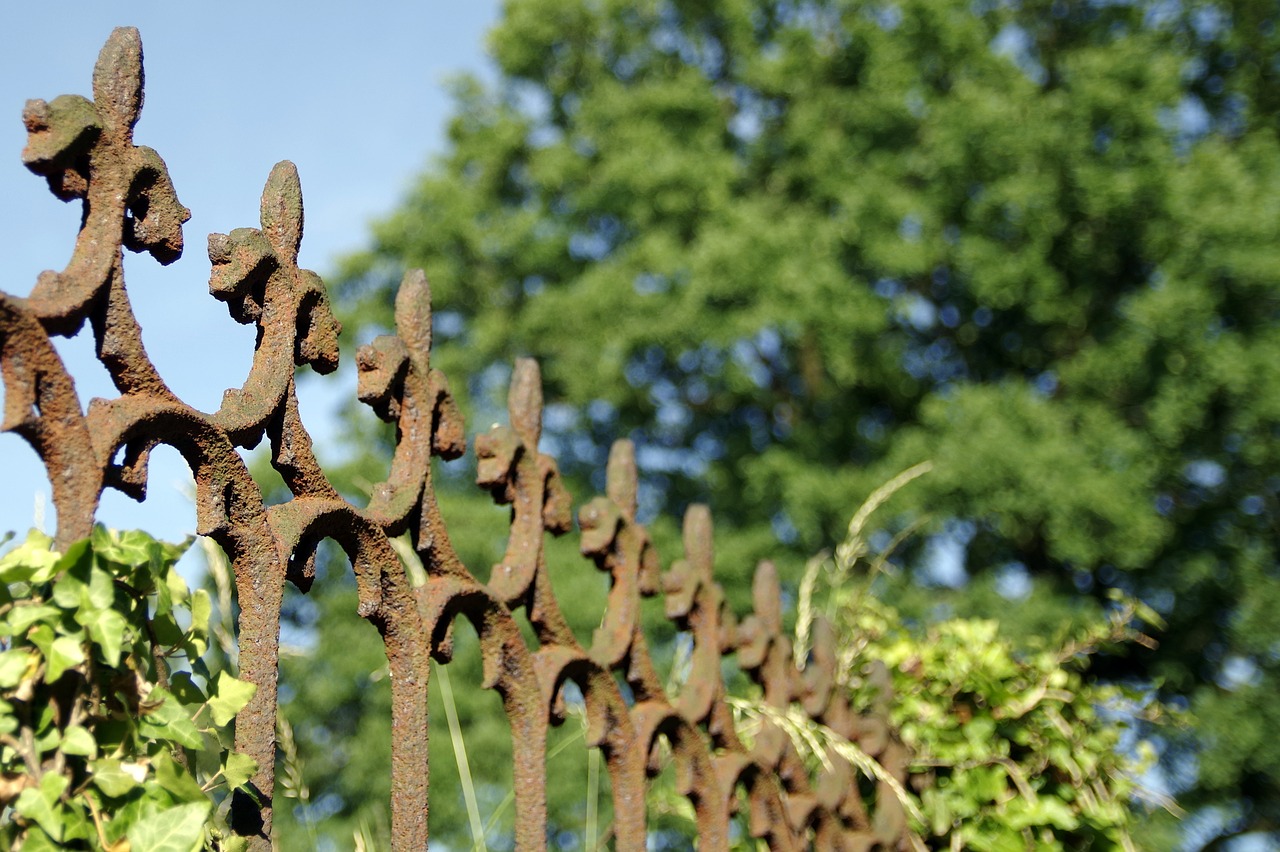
x=85 y=149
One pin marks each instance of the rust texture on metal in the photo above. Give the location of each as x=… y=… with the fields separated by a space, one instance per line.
x=85 y=150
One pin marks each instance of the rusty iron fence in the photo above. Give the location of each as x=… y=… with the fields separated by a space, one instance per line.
x=85 y=150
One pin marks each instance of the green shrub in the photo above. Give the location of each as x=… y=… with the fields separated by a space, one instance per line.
x=1013 y=747
x=108 y=740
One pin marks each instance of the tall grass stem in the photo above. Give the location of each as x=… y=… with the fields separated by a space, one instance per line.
x=460 y=755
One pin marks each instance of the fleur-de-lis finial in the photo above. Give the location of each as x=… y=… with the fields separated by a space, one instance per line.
x=510 y=466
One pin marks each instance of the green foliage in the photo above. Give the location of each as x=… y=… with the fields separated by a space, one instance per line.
x=1018 y=749
x=790 y=248
x=103 y=744
x=1011 y=748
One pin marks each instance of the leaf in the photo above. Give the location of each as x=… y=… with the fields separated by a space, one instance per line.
x=201 y=610
x=64 y=653
x=77 y=740
x=41 y=805
x=110 y=776
x=14 y=665
x=32 y=561
x=102 y=588
x=186 y=691
x=176 y=779
x=193 y=646
x=49 y=741
x=132 y=809
x=75 y=570
x=200 y=667
x=22 y=617
x=42 y=637
x=177 y=587
x=77 y=824
x=1055 y=812
x=179 y=829
x=166 y=629
x=37 y=841
x=169 y=721
x=129 y=549
x=44 y=721
x=238 y=769
x=70 y=588
x=230 y=696
x=107 y=629
x=161 y=554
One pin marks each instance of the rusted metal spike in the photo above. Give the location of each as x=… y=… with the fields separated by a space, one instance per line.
x=525 y=402
x=282 y=212
x=413 y=318
x=621 y=478
x=117 y=82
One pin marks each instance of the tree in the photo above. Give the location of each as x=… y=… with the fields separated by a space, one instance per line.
x=790 y=248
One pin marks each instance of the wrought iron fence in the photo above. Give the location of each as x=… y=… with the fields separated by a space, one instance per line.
x=85 y=150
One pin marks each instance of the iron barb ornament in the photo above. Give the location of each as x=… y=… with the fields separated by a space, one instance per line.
x=85 y=150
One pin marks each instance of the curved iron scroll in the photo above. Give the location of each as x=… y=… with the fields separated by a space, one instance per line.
x=85 y=149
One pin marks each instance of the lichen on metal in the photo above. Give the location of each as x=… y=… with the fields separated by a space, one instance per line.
x=85 y=150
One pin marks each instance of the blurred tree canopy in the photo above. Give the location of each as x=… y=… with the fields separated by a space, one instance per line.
x=792 y=247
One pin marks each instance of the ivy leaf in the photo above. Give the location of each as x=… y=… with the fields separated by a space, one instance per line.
x=238 y=769
x=37 y=841
x=132 y=809
x=163 y=556
x=179 y=829
x=41 y=805
x=107 y=629
x=201 y=668
x=75 y=554
x=201 y=610
x=22 y=617
x=30 y=562
x=166 y=628
x=64 y=653
x=130 y=548
x=178 y=590
x=229 y=697
x=176 y=779
x=169 y=721
x=49 y=741
x=101 y=592
x=76 y=822
x=8 y=722
x=164 y=597
x=14 y=665
x=69 y=588
x=185 y=690
x=77 y=740
x=110 y=776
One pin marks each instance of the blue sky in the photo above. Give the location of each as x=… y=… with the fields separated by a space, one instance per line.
x=358 y=99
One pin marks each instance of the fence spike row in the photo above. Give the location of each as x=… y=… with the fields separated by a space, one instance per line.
x=84 y=149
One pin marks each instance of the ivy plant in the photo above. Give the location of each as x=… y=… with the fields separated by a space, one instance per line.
x=1013 y=747
x=114 y=734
